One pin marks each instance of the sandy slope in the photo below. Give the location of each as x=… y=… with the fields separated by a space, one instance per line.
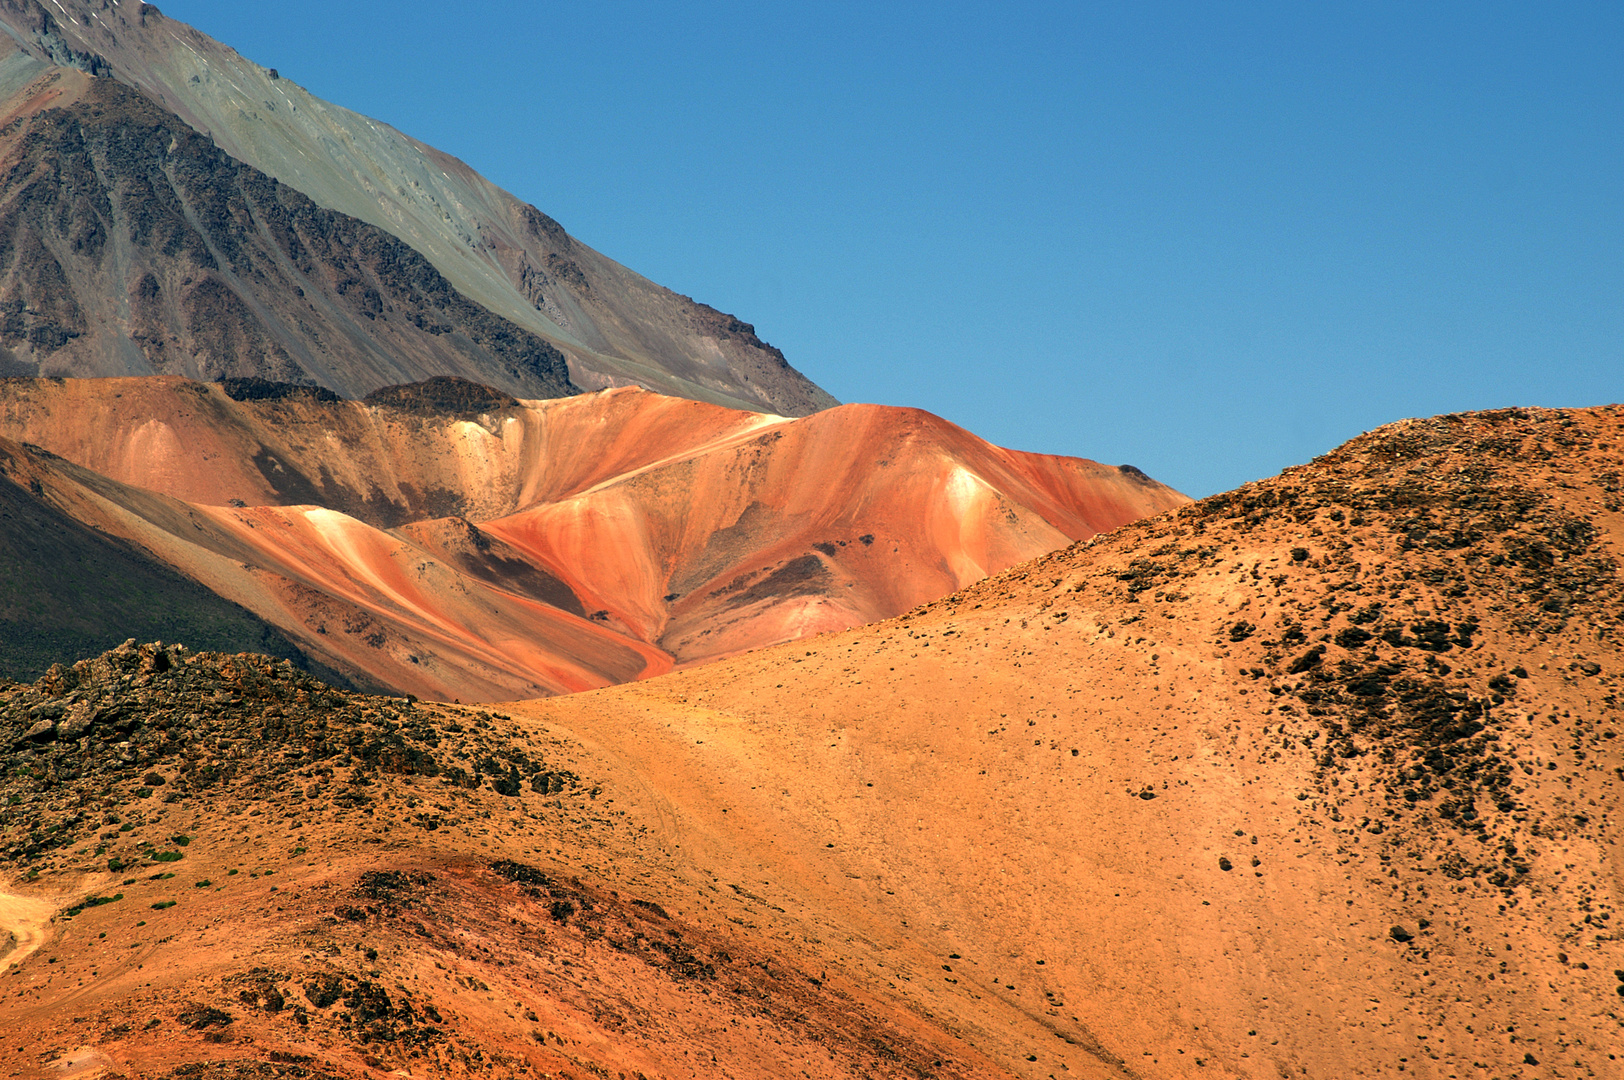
x=1110 y=784
x=24 y=920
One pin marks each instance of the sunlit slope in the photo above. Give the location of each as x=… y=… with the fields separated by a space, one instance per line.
x=453 y=542
x=841 y=518
x=358 y=600
x=615 y=326
x=383 y=887
x=1315 y=777
x=407 y=457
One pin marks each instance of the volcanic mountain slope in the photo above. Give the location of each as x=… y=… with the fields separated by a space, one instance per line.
x=1320 y=777
x=130 y=245
x=452 y=542
x=378 y=611
x=613 y=326
x=1154 y=805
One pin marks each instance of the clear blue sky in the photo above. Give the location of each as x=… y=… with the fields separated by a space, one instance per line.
x=1209 y=240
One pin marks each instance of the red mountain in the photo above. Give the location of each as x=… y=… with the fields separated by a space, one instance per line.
x=451 y=541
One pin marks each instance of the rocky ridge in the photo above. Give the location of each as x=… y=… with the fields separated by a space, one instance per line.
x=612 y=326
x=131 y=245
x=214 y=720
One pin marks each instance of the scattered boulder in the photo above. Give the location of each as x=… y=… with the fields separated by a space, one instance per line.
x=199 y=1017
x=42 y=732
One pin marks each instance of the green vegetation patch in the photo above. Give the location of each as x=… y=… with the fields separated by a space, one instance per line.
x=94 y=901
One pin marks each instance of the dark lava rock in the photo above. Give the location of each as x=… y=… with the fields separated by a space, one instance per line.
x=443 y=395
x=42 y=731
x=1399 y=933
x=252 y=388
x=521 y=873
x=195 y=725
x=324 y=990
x=203 y=1016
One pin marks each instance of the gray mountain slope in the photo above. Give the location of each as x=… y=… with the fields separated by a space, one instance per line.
x=613 y=326
x=130 y=244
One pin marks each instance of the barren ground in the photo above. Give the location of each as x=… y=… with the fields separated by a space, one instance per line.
x=1316 y=778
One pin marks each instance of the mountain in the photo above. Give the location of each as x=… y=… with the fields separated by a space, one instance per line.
x=475 y=282
x=131 y=245
x=1319 y=777
x=450 y=541
x=1315 y=777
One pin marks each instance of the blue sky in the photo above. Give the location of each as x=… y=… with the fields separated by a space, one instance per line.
x=1207 y=240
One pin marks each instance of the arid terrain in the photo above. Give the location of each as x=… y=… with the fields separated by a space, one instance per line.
x=447 y=540
x=1314 y=778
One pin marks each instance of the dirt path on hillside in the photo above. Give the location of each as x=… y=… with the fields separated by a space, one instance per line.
x=24 y=920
